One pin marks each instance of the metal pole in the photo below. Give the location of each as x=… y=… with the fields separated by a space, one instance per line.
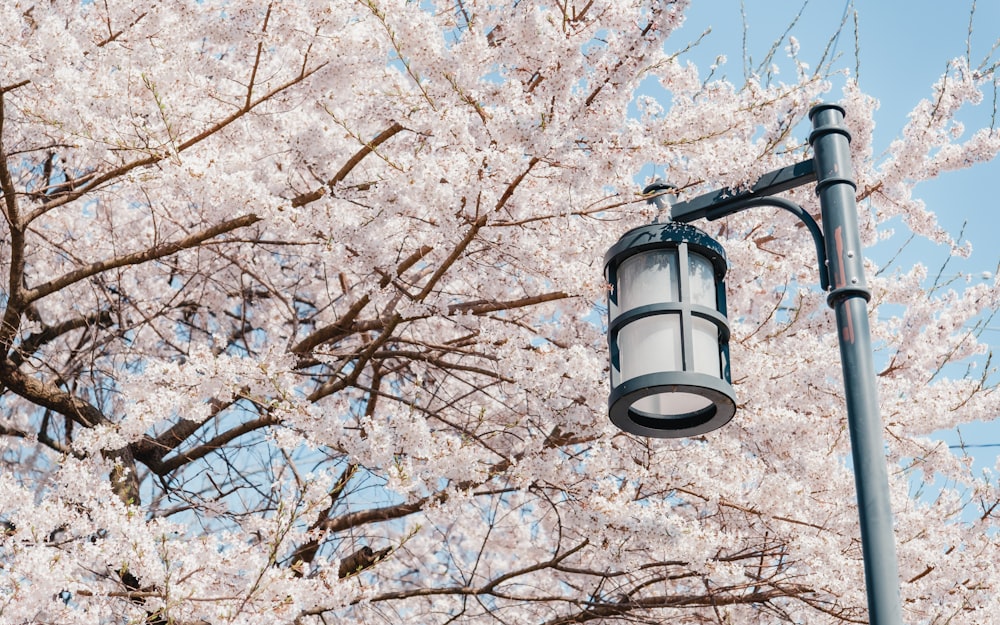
x=835 y=186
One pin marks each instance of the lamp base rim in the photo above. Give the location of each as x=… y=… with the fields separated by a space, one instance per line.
x=717 y=391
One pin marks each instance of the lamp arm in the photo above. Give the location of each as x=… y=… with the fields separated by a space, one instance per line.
x=791 y=207
x=719 y=204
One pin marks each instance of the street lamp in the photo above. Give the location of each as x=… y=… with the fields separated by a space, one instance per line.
x=668 y=335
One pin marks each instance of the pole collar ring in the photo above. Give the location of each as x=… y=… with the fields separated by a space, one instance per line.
x=840 y=294
x=825 y=130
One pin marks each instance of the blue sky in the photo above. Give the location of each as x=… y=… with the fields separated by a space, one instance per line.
x=903 y=48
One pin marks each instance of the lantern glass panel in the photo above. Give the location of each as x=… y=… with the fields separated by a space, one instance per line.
x=705 y=336
x=702 y=278
x=648 y=278
x=649 y=345
x=669 y=405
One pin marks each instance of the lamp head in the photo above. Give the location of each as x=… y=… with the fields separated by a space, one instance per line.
x=667 y=332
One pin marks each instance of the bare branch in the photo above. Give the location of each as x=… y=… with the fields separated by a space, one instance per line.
x=153 y=253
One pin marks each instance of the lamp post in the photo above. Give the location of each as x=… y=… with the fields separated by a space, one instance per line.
x=669 y=338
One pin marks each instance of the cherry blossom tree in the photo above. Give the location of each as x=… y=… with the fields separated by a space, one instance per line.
x=302 y=323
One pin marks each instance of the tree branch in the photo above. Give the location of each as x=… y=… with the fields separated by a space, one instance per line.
x=48 y=334
x=483 y=307
x=117 y=172
x=365 y=150
x=175 y=462
x=473 y=231
x=151 y=451
x=15 y=284
x=153 y=253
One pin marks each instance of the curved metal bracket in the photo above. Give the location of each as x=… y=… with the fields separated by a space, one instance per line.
x=798 y=211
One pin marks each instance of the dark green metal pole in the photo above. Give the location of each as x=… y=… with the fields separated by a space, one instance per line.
x=835 y=186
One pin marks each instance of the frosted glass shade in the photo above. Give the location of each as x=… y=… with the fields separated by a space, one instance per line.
x=650 y=344
x=648 y=278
